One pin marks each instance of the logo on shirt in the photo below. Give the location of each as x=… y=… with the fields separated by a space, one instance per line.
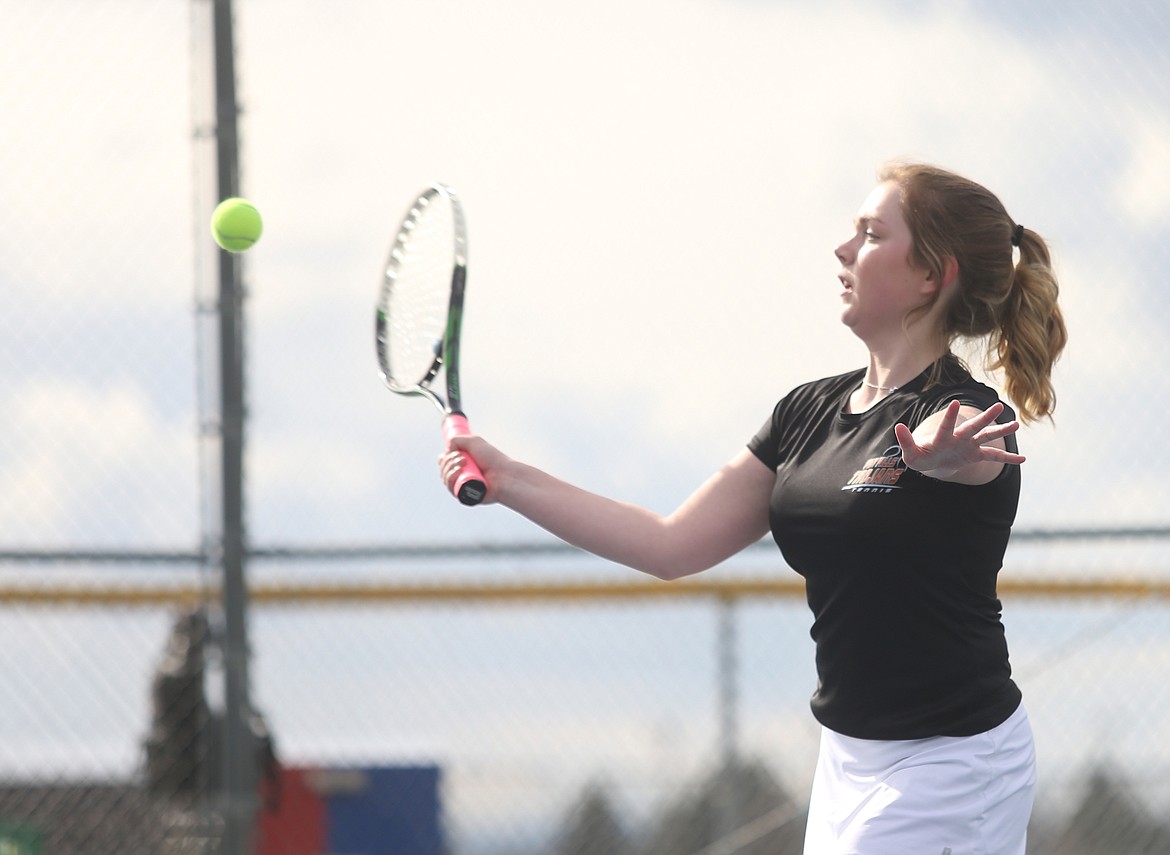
x=878 y=474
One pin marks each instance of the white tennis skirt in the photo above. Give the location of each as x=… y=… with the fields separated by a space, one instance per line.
x=947 y=795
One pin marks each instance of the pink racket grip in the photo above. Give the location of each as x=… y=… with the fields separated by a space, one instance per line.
x=469 y=487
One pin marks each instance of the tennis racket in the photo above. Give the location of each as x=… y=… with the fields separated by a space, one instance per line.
x=420 y=314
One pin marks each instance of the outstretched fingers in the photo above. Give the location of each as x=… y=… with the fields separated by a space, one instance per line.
x=945 y=446
x=910 y=448
x=950 y=417
x=986 y=431
x=1000 y=455
x=974 y=425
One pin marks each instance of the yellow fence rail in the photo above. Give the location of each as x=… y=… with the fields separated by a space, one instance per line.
x=25 y=593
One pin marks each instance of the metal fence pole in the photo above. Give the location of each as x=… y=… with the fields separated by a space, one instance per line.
x=239 y=798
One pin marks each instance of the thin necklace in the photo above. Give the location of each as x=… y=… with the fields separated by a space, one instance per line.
x=880 y=388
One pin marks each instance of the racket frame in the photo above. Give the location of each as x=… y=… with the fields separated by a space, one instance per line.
x=470 y=486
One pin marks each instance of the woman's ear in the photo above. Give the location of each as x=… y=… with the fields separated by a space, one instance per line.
x=950 y=271
x=949 y=275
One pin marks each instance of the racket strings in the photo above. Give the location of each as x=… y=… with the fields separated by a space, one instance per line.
x=418 y=292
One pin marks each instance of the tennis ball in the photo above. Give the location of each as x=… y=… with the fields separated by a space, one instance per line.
x=235 y=224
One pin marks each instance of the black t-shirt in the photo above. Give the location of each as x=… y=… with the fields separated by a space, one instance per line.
x=900 y=569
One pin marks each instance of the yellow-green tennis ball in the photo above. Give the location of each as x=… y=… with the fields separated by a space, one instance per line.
x=236 y=224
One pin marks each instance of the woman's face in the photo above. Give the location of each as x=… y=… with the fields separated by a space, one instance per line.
x=881 y=284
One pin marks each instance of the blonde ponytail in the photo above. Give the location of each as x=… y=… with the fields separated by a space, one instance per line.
x=1031 y=332
x=1013 y=305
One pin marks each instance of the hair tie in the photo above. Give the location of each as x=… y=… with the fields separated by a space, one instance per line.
x=1017 y=235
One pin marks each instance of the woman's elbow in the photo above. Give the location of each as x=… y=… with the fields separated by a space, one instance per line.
x=671 y=570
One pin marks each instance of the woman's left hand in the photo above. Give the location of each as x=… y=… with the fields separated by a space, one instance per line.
x=967 y=451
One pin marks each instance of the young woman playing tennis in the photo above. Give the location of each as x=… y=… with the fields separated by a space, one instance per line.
x=892 y=489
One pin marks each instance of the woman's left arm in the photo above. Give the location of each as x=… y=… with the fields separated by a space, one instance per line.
x=962 y=444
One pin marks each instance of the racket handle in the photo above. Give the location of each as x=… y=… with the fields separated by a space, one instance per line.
x=469 y=486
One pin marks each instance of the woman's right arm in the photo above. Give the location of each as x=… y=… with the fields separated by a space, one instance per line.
x=726 y=514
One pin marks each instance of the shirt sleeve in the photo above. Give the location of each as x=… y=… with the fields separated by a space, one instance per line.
x=765 y=444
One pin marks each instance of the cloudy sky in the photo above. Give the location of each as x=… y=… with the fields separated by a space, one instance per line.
x=653 y=190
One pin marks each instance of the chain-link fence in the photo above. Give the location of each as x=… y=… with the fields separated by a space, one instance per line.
x=665 y=178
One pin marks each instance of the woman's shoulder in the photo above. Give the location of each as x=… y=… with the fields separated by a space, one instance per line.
x=813 y=395
x=828 y=386
x=956 y=383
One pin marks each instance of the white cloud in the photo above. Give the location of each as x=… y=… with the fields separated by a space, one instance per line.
x=1143 y=188
x=88 y=466
x=97 y=167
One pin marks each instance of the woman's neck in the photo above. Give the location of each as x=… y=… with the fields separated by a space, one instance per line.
x=890 y=369
x=888 y=374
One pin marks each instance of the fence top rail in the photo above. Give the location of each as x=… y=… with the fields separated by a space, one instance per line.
x=357 y=593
